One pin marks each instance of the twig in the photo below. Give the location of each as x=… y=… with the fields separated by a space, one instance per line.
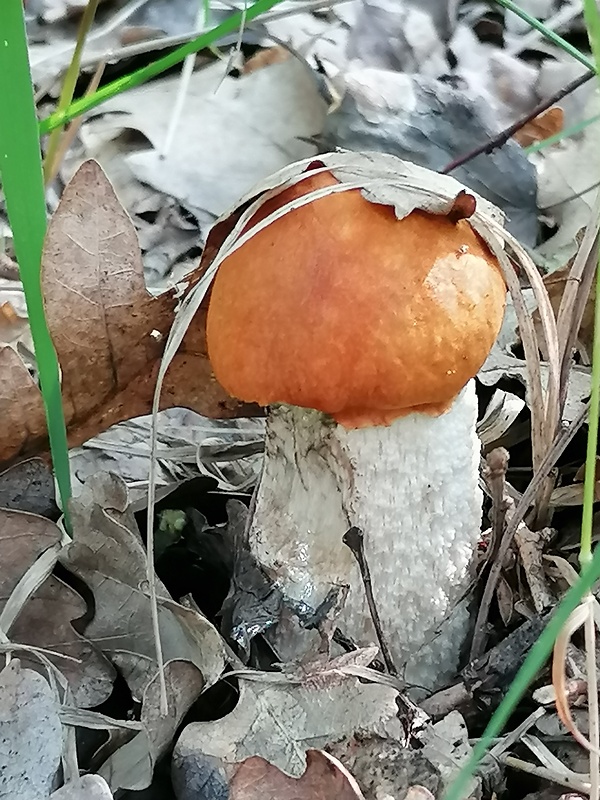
x=354 y=539
x=560 y=444
x=571 y=781
x=502 y=138
x=495 y=477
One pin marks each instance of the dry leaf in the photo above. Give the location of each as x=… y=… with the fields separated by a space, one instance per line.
x=264 y=58
x=500 y=365
x=29 y=486
x=580 y=474
x=30 y=733
x=13 y=327
x=280 y=721
x=21 y=408
x=572 y=495
x=505 y=600
x=565 y=175
x=227 y=140
x=108 y=554
x=325 y=777
x=23 y=539
x=88 y=787
x=131 y=766
x=108 y=331
x=546 y=124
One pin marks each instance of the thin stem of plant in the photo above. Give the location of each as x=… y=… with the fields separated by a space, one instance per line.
x=68 y=87
x=566 y=133
x=570 y=197
x=592 y=681
x=66 y=140
x=495 y=476
x=592 y=18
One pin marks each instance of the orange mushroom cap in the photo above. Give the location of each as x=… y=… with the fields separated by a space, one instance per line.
x=341 y=307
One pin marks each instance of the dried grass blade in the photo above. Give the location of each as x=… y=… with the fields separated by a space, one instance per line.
x=544 y=406
x=576 y=620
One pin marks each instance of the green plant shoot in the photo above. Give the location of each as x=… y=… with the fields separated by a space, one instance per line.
x=22 y=181
x=144 y=74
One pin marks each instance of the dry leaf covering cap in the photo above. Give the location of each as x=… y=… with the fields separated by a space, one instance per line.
x=370 y=297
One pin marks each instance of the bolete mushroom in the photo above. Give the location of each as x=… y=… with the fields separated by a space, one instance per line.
x=361 y=327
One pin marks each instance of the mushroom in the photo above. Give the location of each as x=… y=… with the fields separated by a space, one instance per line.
x=359 y=316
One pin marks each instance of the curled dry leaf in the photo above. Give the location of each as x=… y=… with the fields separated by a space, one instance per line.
x=107 y=553
x=24 y=538
x=131 y=766
x=108 y=331
x=500 y=365
x=572 y=495
x=323 y=778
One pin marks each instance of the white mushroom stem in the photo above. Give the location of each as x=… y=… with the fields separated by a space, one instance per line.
x=413 y=489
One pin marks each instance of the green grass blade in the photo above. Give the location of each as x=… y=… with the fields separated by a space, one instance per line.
x=144 y=74
x=548 y=34
x=572 y=130
x=21 y=175
x=69 y=83
x=592 y=20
